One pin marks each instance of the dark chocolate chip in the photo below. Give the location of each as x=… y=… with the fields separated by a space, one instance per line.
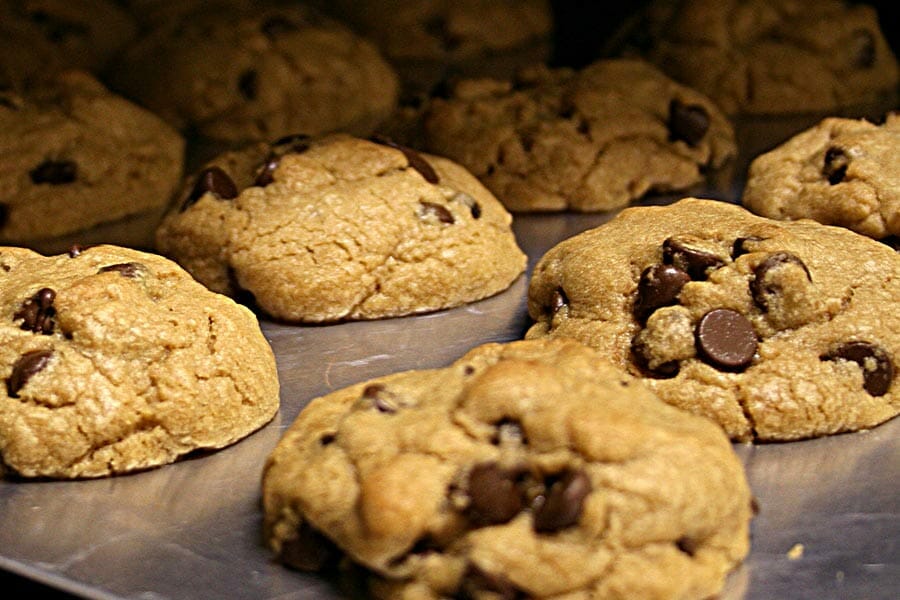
x=277 y=26
x=248 y=84
x=28 y=365
x=309 y=550
x=327 y=439
x=693 y=261
x=494 y=494
x=641 y=356
x=560 y=506
x=862 y=49
x=658 y=286
x=876 y=364
x=437 y=211
x=266 y=173
x=726 y=339
x=469 y=201
x=376 y=394
x=687 y=545
x=54 y=172
x=835 y=167
x=215 y=181
x=761 y=288
x=76 y=250
x=129 y=269
x=739 y=247
x=469 y=370
x=558 y=301
x=475 y=582
x=37 y=312
x=687 y=122
x=415 y=160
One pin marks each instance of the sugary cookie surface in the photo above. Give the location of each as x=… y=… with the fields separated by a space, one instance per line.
x=114 y=360
x=588 y=140
x=533 y=469
x=320 y=230
x=776 y=330
x=841 y=172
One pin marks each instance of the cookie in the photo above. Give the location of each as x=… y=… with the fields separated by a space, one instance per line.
x=115 y=360
x=776 y=330
x=771 y=56
x=257 y=71
x=77 y=155
x=527 y=470
x=840 y=172
x=320 y=230
x=430 y=40
x=588 y=140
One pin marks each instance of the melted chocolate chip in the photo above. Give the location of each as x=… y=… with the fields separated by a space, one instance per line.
x=475 y=582
x=762 y=289
x=494 y=494
x=211 y=180
x=28 y=365
x=862 y=49
x=266 y=173
x=835 y=167
x=726 y=339
x=739 y=247
x=54 y=172
x=129 y=269
x=37 y=312
x=687 y=122
x=695 y=262
x=561 y=505
x=415 y=160
x=876 y=364
x=435 y=211
x=658 y=286
x=309 y=550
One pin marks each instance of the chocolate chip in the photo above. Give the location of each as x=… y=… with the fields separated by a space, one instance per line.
x=54 y=172
x=248 y=84
x=214 y=181
x=726 y=339
x=876 y=364
x=494 y=494
x=37 y=312
x=76 y=250
x=431 y=210
x=687 y=545
x=558 y=301
x=309 y=550
x=129 y=269
x=687 y=122
x=469 y=201
x=377 y=394
x=642 y=356
x=327 y=439
x=862 y=49
x=415 y=160
x=290 y=144
x=277 y=26
x=658 y=286
x=739 y=247
x=693 y=261
x=762 y=288
x=835 y=167
x=475 y=582
x=560 y=506
x=28 y=364
x=266 y=173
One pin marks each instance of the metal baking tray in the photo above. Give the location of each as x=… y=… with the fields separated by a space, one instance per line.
x=828 y=526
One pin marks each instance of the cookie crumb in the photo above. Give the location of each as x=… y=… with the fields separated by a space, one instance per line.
x=796 y=552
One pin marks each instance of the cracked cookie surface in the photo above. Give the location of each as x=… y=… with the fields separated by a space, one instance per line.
x=588 y=140
x=77 y=155
x=840 y=172
x=115 y=360
x=320 y=230
x=251 y=71
x=532 y=469
x=776 y=330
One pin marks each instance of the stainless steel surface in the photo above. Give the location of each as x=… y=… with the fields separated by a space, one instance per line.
x=192 y=529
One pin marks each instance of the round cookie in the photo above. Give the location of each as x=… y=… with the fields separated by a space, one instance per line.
x=115 y=360
x=533 y=469
x=771 y=56
x=76 y=155
x=776 y=330
x=840 y=172
x=320 y=230
x=591 y=140
x=250 y=71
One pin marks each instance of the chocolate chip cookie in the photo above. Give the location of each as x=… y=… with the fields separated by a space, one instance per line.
x=527 y=470
x=771 y=56
x=76 y=155
x=776 y=330
x=115 y=360
x=258 y=71
x=320 y=230
x=589 y=140
x=840 y=172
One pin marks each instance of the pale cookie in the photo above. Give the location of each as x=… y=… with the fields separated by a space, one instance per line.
x=76 y=155
x=776 y=330
x=335 y=228
x=840 y=172
x=527 y=470
x=590 y=140
x=771 y=56
x=114 y=360
x=251 y=71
